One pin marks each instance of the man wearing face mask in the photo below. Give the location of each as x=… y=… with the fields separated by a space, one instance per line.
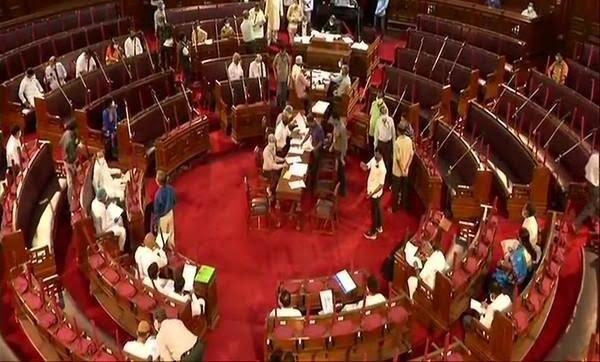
x=530 y=12
x=558 y=70
x=108 y=179
x=175 y=341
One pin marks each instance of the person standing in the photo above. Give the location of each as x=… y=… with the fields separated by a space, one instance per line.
x=257 y=17
x=160 y=16
x=70 y=143
x=380 y=15
x=385 y=134
x=375 y=184
x=374 y=114
x=110 y=119
x=235 y=70
x=175 y=341
x=164 y=203
x=403 y=156
x=558 y=70
x=29 y=89
x=184 y=60
x=13 y=149
x=274 y=12
x=248 y=33
x=133 y=45
x=164 y=34
x=294 y=18
x=593 y=203
x=316 y=135
x=281 y=68
x=340 y=146
x=308 y=8
x=257 y=68
x=85 y=63
x=302 y=87
x=55 y=74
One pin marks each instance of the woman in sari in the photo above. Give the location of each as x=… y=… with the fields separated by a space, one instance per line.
x=514 y=268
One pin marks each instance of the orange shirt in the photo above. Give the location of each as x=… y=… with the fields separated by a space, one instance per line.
x=113 y=55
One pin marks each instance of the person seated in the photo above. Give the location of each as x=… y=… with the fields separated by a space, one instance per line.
x=529 y=12
x=436 y=262
x=55 y=74
x=113 y=53
x=498 y=301
x=257 y=68
x=198 y=304
x=147 y=253
x=29 y=89
x=285 y=309
x=106 y=218
x=133 y=45
x=341 y=83
x=199 y=35
x=154 y=281
x=283 y=128
x=296 y=69
x=272 y=164
x=85 y=63
x=332 y=26
x=109 y=179
x=227 y=31
x=517 y=263
x=530 y=222
x=144 y=346
x=373 y=296
x=235 y=70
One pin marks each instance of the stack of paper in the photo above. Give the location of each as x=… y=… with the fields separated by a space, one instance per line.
x=293 y=159
x=188 y=274
x=345 y=280
x=410 y=254
x=294 y=185
x=360 y=46
x=299 y=169
x=347 y=40
x=320 y=107
x=300 y=121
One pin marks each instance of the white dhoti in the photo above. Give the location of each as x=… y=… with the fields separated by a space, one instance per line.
x=412 y=282
x=120 y=233
x=166 y=225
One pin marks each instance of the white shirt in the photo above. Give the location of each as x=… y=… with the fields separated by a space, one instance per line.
x=436 y=262
x=296 y=69
x=591 y=170
x=369 y=301
x=257 y=70
x=376 y=178
x=258 y=23
x=142 y=350
x=198 y=304
x=247 y=30
x=100 y=216
x=83 y=65
x=145 y=256
x=133 y=47
x=55 y=75
x=174 y=339
x=29 y=89
x=385 y=130
x=530 y=223
x=235 y=72
x=500 y=304
x=13 y=155
x=102 y=178
x=285 y=312
x=282 y=132
x=530 y=13
x=163 y=286
x=270 y=159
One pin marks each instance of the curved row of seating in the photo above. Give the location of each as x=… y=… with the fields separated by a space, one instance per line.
x=186 y=14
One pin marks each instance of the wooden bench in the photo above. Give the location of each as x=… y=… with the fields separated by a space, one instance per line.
x=584 y=80
x=513 y=333
x=491 y=66
x=587 y=54
x=519 y=177
x=463 y=81
x=178 y=15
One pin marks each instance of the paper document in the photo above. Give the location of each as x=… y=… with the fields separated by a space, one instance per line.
x=410 y=252
x=347 y=40
x=326 y=301
x=299 y=169
x=345 y=280
x=320 y=107
x=198 y=305
x=294 y=185
x=300 y=121
x=360 y=46
x=114 y=211
x=477 y=306
x=188 y=274
x=295 y=150
x=293 y=159
x=296 y=142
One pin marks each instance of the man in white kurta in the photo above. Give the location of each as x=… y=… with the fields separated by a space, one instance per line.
x=235 y=70
x=54 y=74
x=149 y=253
x=29 y=89
x=85 y=63
x=257 y=68
x=133 y=45
x=13 y=148
x=435 y=263
x=104 y=221
x=258 y=20
x=274 y=12
x=109 y=179
x=144 y=347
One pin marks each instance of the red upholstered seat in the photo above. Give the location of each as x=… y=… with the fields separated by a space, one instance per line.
x=535 y=301
x=20 y=284
x=521 y=319
x=471 y=265
x=454 y=357
x=96 y=261
x=283 y=332
x=459 y=277
x=103 y=356
x=125 y=289
x=111 y=275
x=398 y=314
x=343 y=327
x=314 y=286
x=33 y=301
x=144 y=302
x=292 y=287
x=546 y=285
x=65 y=334
x=314 y=331
x=372 y=322
x=46 y=319
x=334 y=285
x=83 y=346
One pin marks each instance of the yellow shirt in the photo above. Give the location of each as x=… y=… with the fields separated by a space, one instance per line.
x=403 y=154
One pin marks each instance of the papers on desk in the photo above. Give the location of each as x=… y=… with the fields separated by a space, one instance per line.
x=477 y=306
x=114 y=211
x=345 y=280
x=326 y=301
x=208 y=41
x=296 y=150
x=302 y=39
x=188 y=274
x=295 y=142
x=294 y=185
x=410 y=254
x=347 y=40
x=320 y=107
x=299 y=169
x=293 y=159
x=300 y=122
x=360 y=46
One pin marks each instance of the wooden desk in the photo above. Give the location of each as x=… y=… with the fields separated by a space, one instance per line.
x=325 y=54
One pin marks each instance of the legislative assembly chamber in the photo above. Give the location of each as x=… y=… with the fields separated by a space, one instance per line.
x=299 y=180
